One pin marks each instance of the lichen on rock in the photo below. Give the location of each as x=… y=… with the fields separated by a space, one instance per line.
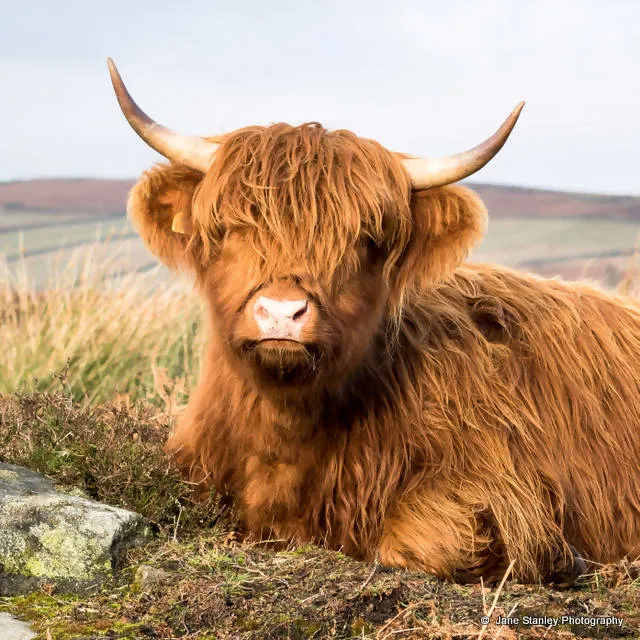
x=58 y=538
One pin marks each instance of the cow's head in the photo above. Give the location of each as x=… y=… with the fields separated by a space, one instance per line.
x=306 y=243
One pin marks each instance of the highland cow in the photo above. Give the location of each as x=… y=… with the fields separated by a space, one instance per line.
x=364 y=387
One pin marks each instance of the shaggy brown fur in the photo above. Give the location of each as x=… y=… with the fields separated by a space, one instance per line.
x=456 y=418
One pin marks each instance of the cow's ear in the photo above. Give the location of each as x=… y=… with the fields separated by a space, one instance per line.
x=447 y=223
x=160 y=208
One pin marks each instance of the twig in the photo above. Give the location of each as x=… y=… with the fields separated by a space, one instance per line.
x=484 y=599
x=175 y=528
x=376 y=566
x=245 y=568
x=495 y=599
x=400 y=613
x=391 y=633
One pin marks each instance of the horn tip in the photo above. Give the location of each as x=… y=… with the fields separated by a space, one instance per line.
x=113 y=71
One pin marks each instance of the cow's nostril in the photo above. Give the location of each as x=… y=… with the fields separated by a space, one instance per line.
x=261 y=312
x=298 y=314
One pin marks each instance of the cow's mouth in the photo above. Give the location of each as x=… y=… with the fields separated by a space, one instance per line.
x=283 y=361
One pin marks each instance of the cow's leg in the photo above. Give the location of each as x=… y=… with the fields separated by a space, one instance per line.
x=441 y=537
x=460 y=542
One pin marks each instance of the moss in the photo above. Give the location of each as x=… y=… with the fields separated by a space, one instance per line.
x=70 y=544
x=360 y=627
x=14 y=552
x=67 y=553
x=38 y=607
x=56 y=614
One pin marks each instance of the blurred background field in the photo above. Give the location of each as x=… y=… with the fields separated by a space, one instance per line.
x=573 y=248
x=80 y=294
x=575 y=236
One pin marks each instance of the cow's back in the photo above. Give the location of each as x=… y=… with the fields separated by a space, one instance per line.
x=539 y=383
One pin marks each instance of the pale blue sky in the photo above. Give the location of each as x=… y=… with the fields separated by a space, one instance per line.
x=425 y=77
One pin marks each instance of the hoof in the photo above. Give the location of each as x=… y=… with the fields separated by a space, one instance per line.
x=570 y=572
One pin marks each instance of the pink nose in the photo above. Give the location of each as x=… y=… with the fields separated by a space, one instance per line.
x=280 y=319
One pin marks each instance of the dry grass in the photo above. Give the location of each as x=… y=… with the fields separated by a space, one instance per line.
x=117 y=335
x=630 y=283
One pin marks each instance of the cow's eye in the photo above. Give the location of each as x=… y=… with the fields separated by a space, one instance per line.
x=374 y=251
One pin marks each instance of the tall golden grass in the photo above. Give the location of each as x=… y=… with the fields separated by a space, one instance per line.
x=115 y=335
x=630 y=283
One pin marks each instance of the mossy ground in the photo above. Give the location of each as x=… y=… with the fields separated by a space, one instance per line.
x=220 y=589
x=216 y=587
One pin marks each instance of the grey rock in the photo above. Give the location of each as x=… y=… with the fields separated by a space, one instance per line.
x=14 y=629
x=52 y=538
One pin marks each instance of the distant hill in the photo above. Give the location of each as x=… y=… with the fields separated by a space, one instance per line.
x=517 y=202
x=97 y=196
x=66 y=195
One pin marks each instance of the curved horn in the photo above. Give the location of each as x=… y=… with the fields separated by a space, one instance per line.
x=435 y=172
x=191 y=151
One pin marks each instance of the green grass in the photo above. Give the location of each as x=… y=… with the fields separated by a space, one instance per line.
x=73 y=231
x=514 y=240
